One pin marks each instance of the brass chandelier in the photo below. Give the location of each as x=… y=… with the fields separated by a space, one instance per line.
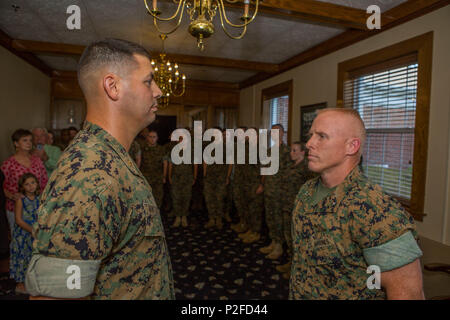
x=167 y=77
x=201 y=14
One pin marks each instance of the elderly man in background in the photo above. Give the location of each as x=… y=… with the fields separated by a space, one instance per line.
x=48 y=153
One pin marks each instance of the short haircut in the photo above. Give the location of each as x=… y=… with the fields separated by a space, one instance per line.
x=20 y=133
x=278 y=125
x=72 y=128
x=114 y=52
x=22 y=180
x=353 y=114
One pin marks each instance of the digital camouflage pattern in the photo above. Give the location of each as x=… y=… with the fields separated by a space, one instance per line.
x=98 y=206
x=215 y=188
x=272 y=196
x=181 y=188
x=245 y=183
x=293 y=178
x=152 y=168
x=135 y=150
x=329 y=238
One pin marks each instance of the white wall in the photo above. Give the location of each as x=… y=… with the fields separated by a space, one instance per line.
x=24 y=99
x=316 y=82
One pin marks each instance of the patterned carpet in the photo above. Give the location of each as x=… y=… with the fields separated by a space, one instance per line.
x=209 y=264
x=214 y=264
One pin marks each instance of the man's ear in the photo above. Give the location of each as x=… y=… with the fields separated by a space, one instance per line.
x=353 y=146
x=111 y=86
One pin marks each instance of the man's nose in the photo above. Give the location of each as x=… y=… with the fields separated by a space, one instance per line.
x=157 y=91
x=309 y=143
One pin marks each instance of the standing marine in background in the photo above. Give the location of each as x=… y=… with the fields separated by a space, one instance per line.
x=152 y=166
x=294 y=177
x=216 y=180
x=272 y=195
x=254 y=199
x=181 y=178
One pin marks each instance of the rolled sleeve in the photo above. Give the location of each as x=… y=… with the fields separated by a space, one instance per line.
x=393 y=254
x=61 y=278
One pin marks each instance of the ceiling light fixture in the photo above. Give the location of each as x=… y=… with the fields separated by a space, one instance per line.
x=201 y=14
x=168 y=77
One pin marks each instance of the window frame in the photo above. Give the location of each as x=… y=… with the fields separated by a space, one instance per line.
x=280 y=90
x=422 y=46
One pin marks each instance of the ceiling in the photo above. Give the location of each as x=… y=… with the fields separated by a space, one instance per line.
x=271 y=38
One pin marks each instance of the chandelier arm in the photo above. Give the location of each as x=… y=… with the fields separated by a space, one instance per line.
x=222 y=11
x=229 y=34
x=179 y=94
x=155 y=16
x=155 y=23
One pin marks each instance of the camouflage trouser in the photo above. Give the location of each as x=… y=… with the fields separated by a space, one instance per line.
x=215 y=193
x=287 y=217
x=228 y=199
x=181 y=197
x=274 y=217
x=249 y=205
x=157 y=191
x=255 y=204
x=239 y=198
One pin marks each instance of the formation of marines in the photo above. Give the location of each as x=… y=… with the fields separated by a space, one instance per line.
x=226 y=184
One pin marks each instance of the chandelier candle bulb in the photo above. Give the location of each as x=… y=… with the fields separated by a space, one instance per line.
x=154 y=5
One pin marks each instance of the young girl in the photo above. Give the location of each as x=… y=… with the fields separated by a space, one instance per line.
x=22 y=240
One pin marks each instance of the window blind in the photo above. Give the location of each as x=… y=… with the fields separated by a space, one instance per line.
x=279 y=113
x=385 y=97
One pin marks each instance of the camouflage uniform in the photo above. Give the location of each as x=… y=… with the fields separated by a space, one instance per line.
x=97 y=213
x=273 y=195
x=181 y=188
x=246 y=181
x=339 y=236
x=215 y=189
x=152 y=169
x=135 y=150
x=293 y=178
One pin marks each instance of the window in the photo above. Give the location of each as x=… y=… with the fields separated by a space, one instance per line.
x=386 y=101
x=279 y=113
x=391 y=90
x=276 y=107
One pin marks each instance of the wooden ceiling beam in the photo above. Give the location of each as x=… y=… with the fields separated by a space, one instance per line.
x=51 y=48
x=315 y=11
x=7 y=42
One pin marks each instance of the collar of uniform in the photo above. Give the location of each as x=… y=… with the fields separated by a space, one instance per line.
x=349 y=182
x=112 y=142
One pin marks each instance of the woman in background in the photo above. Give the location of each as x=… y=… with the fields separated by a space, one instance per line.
x=18 y=164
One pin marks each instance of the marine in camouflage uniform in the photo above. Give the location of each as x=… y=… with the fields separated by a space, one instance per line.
x=336 y=236
x=97 y=213
x=216 y=182
x=135 y=152
x=294 y=177
x=182 y=177
x=152 y=167
x=250 y=203
x=272 y=199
